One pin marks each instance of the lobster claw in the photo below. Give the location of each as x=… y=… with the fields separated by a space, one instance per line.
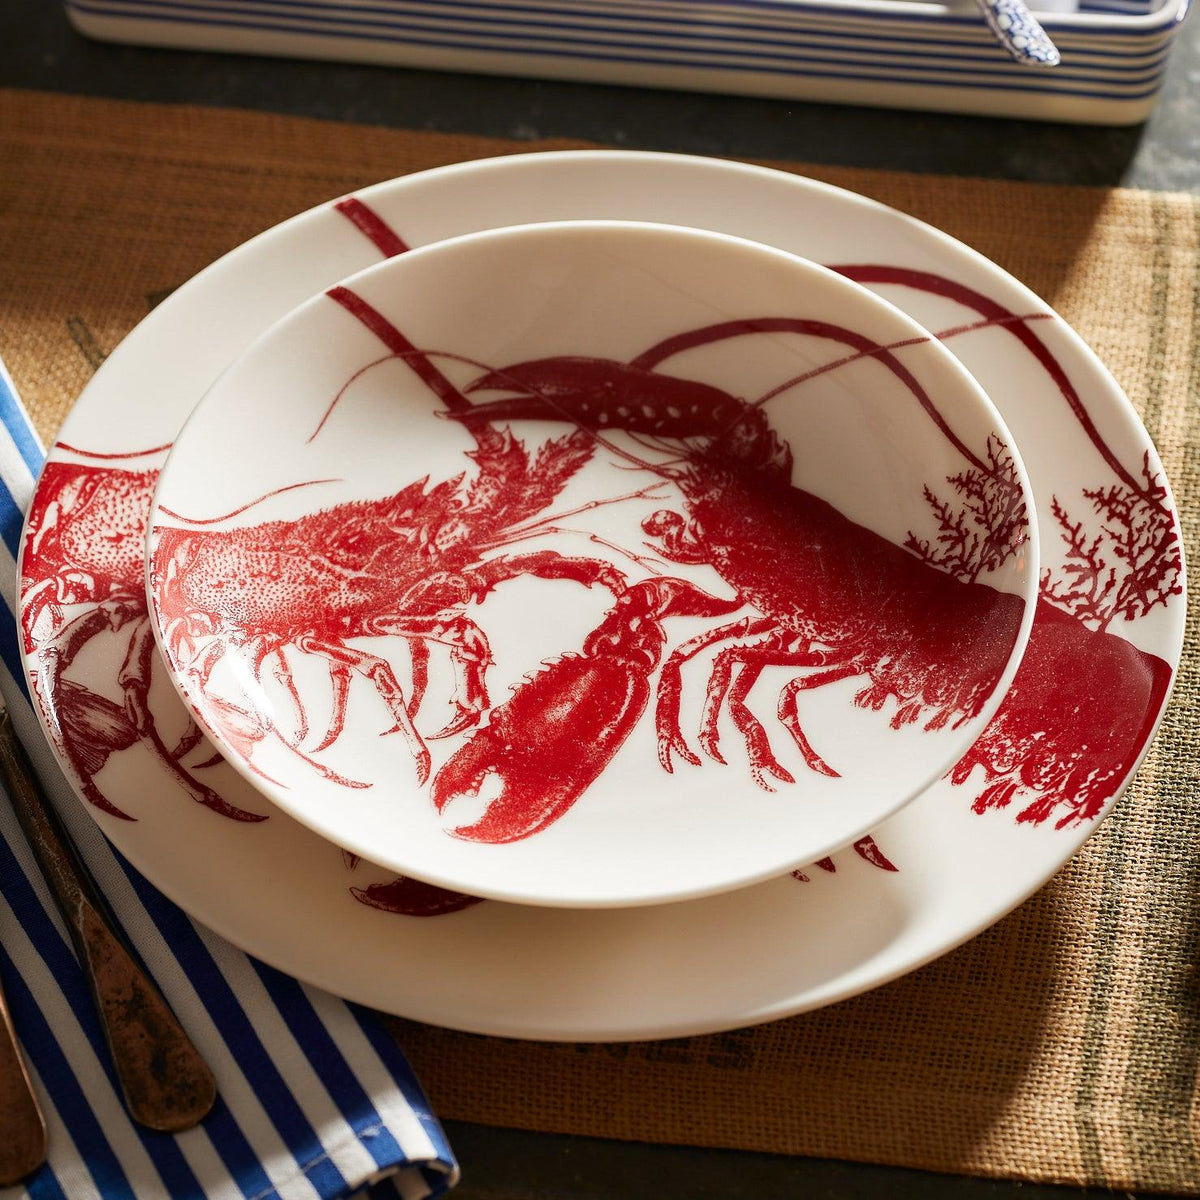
x=550 y=741
x=599 y=393
x=413 y=898
x=547 y=744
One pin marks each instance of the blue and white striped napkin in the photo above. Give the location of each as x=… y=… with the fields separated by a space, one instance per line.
x=316 y=1100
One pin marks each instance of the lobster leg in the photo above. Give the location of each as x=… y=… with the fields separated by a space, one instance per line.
x=189 y=741
x=91 y=727
x=548 y=564
x=469 y=652
x=134 y=678
x=57 y=654
x=283 y=674
x=670 y=685
x=412 y=898
x=37 y=600
x=339 y=677
x=778 y=649
x=264 y=646
x=244 y=729
x=758 y=745
x=201 y=668
x=87 y=727
x=790 y=716
x=419 y=653
x=379 y=672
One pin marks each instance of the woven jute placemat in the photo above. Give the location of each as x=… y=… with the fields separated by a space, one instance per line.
x=1062 y=1044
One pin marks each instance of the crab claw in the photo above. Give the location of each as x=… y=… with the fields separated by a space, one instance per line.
x=547 y=744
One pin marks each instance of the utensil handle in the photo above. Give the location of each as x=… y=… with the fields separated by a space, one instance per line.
x=1020 y=32
x=167 y=1085
x=22 y=1129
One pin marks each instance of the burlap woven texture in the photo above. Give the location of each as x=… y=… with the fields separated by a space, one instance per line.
x=1062 y=1044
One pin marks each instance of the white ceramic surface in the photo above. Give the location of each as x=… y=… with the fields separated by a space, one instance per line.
x=749 y=495
x=964 y=856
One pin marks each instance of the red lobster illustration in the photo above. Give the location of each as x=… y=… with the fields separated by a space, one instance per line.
x=406 y=566
x=84 y=549
x=932 y=642
x=1067 y=734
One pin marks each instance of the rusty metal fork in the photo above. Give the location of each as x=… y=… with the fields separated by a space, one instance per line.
x=166 y=1084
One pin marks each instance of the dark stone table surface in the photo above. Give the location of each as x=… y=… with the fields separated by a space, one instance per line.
x=39 y=50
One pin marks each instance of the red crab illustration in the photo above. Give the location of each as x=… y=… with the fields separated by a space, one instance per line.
x=83 y=546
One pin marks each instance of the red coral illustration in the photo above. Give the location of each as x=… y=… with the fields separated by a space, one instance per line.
x=988 y=525
x=1132 y=564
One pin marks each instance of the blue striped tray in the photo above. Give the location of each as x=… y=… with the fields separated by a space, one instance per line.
x=892 y=53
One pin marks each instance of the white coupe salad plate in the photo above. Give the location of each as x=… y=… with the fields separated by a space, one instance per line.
x=556 y=506
x=1072 y=729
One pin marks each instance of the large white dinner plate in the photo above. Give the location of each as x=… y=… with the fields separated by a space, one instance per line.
x=1061 y=749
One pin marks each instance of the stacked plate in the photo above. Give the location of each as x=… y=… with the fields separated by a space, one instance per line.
x=350 y=431
x=895 y=53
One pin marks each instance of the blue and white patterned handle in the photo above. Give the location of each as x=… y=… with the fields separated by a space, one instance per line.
x=1020 y=33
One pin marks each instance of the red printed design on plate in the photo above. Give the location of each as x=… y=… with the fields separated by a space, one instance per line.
x=925 y=638
x=1073 y=725
x=1085 y=700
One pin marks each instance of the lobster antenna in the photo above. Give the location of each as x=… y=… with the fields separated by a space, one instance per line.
x=867 y=347
x=396 y=342
x=342 y=391
x=553 y=404
x=939 y=285
x=372 y=226
x=420 y=361
x=237 y=512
